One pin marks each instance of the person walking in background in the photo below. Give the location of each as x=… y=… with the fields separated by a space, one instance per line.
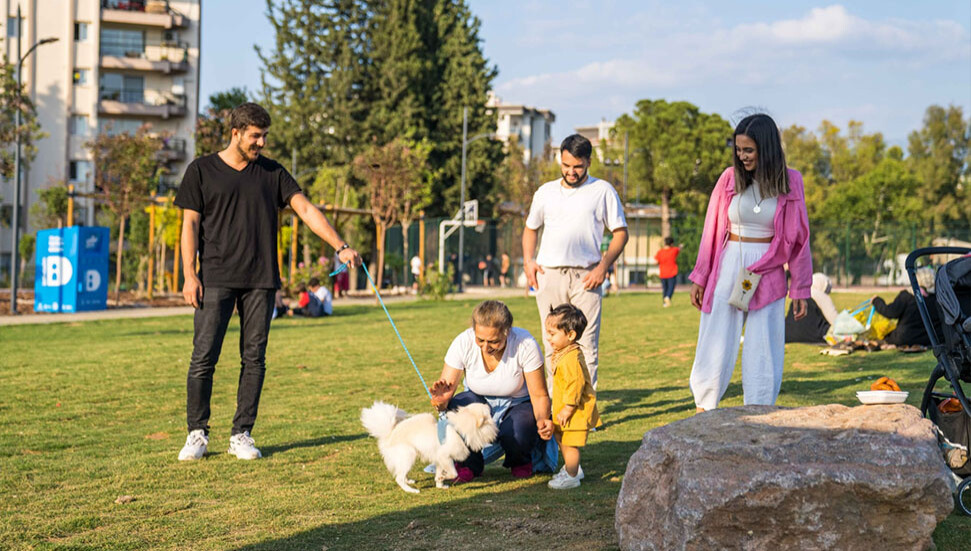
x=573 y=212
x=667 y=265
x=756 y=222
x=231 y=202
x=504 y=270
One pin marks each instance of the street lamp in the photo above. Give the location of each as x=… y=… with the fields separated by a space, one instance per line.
x=465 y=144
x=14 y=250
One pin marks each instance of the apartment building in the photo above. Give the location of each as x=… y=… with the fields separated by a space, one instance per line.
x=597 y=134
x=531 y=126
x=116 y=65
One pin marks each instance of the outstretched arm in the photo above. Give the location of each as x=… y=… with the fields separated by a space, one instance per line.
x=319 y=224
x=540 y=399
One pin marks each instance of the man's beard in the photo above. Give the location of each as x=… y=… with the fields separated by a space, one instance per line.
x=580 y=179
x=248 y=155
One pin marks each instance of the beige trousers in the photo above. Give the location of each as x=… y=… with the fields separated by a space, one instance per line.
x=565 y=285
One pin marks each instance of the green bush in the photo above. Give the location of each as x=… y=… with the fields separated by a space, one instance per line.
x=437 y=285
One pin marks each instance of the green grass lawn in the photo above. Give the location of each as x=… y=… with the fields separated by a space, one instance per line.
x=93 y=411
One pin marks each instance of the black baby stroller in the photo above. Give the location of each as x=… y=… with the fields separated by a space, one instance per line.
x=951 y=342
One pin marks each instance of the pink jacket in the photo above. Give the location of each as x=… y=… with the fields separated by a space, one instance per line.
x=789 y=245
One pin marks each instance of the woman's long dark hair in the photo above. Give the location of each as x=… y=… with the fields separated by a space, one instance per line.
x=770 y=168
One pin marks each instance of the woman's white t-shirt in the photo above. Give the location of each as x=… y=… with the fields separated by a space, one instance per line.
x=522 y=355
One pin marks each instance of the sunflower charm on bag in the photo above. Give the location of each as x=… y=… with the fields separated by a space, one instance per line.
x=746 y=285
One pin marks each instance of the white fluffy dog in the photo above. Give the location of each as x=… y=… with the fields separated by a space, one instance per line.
x=402 y=439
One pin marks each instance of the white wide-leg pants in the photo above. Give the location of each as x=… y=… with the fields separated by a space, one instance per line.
x=720 y=331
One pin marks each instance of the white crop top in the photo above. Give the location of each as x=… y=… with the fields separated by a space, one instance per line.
x=756 y=213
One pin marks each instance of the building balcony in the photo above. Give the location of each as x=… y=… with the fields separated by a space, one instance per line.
x=173 y=150
x=160 y=58
x=146 y=13
x=132 y=103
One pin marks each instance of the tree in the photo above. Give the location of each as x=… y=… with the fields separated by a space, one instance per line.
x=229 y=99
x=51 y=210
x=26 y=248
x=13 y=100
x=939 y=156
x=394 y=175
x=212 y=127
x=677 y=150
x=313 y=79
x=126 y=170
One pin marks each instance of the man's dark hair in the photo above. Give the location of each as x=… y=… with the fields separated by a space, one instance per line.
x=314 y=282
x=568 y=317
x=668 y=242
x=578 y=146
x=249 y=114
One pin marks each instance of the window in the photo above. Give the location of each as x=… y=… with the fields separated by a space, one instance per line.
x=79 y=171
x=80 y=32
x=123 y=88
x=122 y=43
x=82 y=76
x=13 y=30
x=78 y=125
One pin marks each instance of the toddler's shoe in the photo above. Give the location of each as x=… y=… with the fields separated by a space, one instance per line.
x=565 y=482
x=562 y=472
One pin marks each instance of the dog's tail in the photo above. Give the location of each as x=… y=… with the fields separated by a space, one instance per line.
x=380 y=419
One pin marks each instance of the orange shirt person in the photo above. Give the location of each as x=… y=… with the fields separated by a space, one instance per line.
x=667 y=263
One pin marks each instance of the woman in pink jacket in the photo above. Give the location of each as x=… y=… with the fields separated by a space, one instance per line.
x=756 y=221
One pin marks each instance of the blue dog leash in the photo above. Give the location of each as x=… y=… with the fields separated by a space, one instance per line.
x=342 y=268
x=442 y=421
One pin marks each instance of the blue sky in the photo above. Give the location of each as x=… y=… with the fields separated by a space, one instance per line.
x=880 y=62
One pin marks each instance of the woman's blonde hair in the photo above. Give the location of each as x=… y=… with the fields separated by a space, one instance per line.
x=492 y=313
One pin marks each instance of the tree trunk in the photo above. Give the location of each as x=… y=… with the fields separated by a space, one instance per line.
x=665 y=213
x=404 y=244
x=121 y=248
x=379 y=275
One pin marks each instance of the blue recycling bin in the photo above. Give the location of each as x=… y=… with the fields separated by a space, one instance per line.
x=71 y=269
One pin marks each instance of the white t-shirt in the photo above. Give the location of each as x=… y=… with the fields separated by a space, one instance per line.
x=522 y=355
x=573 y=221
x=326 y=300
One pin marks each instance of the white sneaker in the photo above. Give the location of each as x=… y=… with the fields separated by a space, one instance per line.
x=565 y=482
x=243 y=446
x=195 y=446
x=562 y=472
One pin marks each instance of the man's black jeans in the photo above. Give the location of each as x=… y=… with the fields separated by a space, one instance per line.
x=255 y=307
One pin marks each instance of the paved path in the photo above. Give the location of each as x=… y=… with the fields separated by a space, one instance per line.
x=131 y=312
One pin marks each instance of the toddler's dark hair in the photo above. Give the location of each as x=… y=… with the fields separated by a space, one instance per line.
x=569 y=318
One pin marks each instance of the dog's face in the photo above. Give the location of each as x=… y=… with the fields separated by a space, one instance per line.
x=474 y=422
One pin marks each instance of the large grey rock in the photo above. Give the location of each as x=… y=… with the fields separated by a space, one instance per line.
x=762 y=477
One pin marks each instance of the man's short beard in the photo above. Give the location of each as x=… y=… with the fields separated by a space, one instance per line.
x=242 y=152
x=579 y=182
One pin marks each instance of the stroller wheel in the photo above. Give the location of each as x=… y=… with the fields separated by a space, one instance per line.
x=963 y=497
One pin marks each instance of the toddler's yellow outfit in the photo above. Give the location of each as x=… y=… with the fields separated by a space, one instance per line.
x=572 y=387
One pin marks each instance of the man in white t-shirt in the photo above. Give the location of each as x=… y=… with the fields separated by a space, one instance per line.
x=574 y=211
x=321 y=292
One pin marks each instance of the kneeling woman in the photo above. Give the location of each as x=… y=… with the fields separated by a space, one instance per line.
x=756 y=221
x=503 y=367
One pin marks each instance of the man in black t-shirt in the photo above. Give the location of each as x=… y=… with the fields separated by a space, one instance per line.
x=231 y=201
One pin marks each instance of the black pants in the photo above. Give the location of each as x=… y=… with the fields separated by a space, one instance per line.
x=255 y=307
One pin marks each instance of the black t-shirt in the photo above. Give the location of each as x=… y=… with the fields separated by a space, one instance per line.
x=238 y=231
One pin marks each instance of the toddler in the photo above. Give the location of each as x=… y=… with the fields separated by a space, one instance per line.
x=574 y=401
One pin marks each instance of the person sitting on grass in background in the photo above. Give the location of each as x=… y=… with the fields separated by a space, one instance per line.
x=323 y=295
x=308 y=305
x=574 y=399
